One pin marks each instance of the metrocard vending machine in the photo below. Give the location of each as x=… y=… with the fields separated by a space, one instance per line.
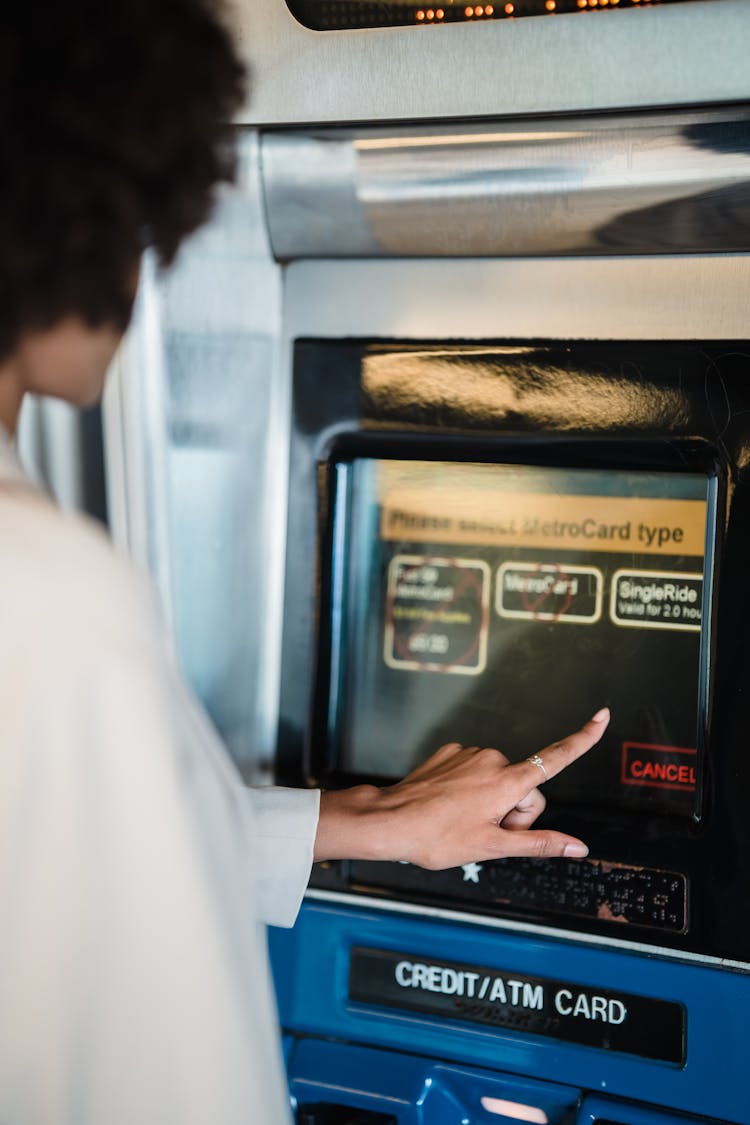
x=440 y=432
x=508 y=536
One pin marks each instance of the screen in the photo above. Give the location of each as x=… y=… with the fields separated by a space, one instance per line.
x=502 y=605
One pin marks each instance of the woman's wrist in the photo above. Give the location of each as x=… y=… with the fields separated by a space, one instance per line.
x=352 y=825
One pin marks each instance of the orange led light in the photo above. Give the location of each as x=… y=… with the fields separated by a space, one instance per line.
x=439 y=14
x=583 y=3
x=489 y=10
x=510 y=9
x=479 y=11
x=430 y=14
x=468 y=12
x=551 y=5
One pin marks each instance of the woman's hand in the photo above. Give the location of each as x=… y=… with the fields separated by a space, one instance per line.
x=462 y=805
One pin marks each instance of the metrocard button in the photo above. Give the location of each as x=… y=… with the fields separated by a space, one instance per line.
x=659 y=767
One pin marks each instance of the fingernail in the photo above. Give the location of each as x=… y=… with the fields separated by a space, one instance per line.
x=575 y=851
x=600 y=716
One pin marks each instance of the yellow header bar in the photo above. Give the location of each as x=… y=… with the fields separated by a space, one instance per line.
x=611 y=524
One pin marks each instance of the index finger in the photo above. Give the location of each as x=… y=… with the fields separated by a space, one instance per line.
x=526 y=775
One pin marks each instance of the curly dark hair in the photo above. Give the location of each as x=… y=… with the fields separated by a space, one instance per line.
x=115 y=128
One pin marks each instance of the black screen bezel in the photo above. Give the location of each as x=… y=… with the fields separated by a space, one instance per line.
x=676 y=405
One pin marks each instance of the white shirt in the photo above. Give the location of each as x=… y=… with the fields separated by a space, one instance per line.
x=134 y=865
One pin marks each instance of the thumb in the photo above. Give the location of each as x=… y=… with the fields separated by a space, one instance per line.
x=540 y=844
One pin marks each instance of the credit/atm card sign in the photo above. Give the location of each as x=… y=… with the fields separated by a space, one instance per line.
x=577 y=1013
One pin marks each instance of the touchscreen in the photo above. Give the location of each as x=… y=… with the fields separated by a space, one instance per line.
x=501 y=605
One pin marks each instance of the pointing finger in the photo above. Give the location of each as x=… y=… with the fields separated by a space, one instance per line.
x=555 y=758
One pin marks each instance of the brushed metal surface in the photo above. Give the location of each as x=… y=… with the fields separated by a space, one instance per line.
x=196 y=426
x=658 y=298
x=637 y=183
x=49 y=444
x=681 y=54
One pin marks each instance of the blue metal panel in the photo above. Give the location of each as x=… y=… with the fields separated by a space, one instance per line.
x=311 y=966
x=415 y=1090
x=596 y=1109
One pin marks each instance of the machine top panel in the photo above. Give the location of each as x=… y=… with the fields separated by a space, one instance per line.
x=337 y=15
x=673 y=54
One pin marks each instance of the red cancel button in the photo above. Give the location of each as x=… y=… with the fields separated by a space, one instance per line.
x=661 y=767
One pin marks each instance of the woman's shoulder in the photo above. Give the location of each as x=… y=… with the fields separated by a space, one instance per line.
x=61 y=568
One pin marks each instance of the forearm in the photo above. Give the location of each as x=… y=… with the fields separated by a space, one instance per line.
x=352 y=825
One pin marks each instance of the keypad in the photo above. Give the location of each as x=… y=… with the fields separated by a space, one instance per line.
x=611 y=892
x=587 y=888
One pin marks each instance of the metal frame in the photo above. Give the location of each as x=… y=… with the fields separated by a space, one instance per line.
x=682 y=54
x=633 y=183
x=702 y=297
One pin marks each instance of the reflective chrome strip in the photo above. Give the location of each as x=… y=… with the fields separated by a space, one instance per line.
x=667 y=182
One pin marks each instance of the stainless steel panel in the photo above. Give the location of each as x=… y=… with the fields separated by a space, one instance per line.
x=49 y=445
x=665 y=298
x=681 y=54
x=196 y=432
x=632 y=184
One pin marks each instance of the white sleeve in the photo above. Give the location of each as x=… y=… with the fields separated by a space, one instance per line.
x=278 y=825
x=284 y=825
x=133 y=973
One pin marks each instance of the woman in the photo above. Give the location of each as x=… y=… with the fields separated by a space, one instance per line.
x=134 y=866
